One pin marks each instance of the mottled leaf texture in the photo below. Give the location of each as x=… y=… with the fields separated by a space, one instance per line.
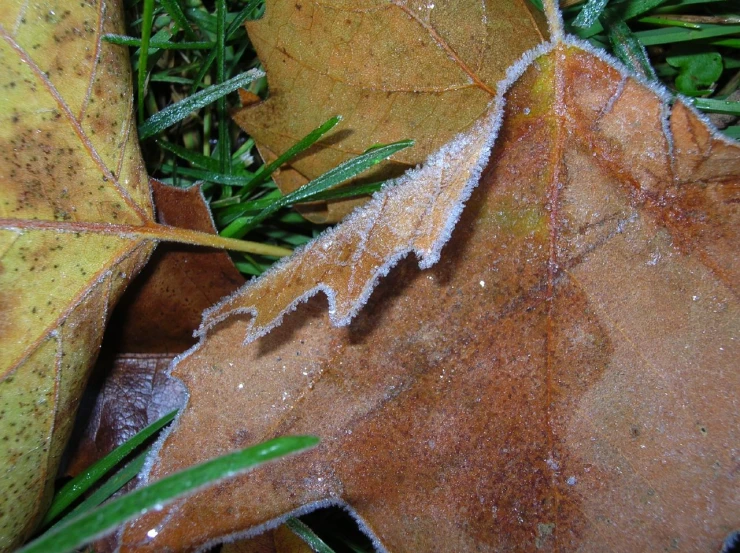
x=563 y=379
x=69 y=162
x=394 y=69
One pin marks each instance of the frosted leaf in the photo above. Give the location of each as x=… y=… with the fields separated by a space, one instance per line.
x=414 y=213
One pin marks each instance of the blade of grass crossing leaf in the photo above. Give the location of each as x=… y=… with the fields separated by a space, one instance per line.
x=108 y=488
x=339 y=193
x=339 y=174
x=264 y=172
x=177 y=112
x=146 y=32
x=670 y=35
x=590 y=13
x=301 y=529
x=172 y=7
x=83 y=529
x=348 y=169
x=82 y=482
x=668 y=22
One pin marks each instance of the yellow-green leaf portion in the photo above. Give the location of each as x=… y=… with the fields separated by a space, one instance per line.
x=69 y=167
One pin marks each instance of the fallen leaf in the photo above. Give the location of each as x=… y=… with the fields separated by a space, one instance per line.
x=163 y=307
x=564 y=378
x=68 y=155
x=395 y=69
x=154 y=322
x=75 y=227
x=279 y=540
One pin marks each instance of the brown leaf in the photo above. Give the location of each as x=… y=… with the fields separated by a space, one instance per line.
x=395 y=69
x=153 y=322
x=563 y=379
x=164 y=306
x=280 y=540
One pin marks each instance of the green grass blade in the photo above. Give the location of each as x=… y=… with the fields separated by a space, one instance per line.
x=629 y=50
x=264 y=172
x=302 y=530
x=668 y=22
x=347 y=170
x=669 y=35
x=147 y=19
x=623 y=11
x=233 y=27
x=590 y=13
x=732 y=132
x=173 y=9
x=192 y=157
x=122 y=40
x=334 y=194
x=333 y=177
x=345 y=192
x=88 y=526
x=224 y=139
x=179 y=111
x=163 y=78
x=108 y=488
x=209 y=176
x=82 y=482
x=716 y=106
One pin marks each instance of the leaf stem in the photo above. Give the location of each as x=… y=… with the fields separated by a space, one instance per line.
x=151 y=231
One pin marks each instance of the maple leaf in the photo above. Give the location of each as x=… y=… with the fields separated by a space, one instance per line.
x=562 y=379
x=75 y=227
x=394 y=69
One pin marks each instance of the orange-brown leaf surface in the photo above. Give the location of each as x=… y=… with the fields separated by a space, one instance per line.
x=69 y=162
x=563 y=379
x=395 y=69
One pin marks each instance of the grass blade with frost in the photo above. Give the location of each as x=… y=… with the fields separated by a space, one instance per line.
x=92 y=524
x=122 y=40
x=590 y=13
x=179 y=111
x=333 y=177
x=172 y=7
x=264 y=172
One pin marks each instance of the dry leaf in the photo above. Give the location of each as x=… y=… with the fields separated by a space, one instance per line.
x=395 y=69
x=153 y=322
x=164 y=305
x=564 y=378
x=279 y=540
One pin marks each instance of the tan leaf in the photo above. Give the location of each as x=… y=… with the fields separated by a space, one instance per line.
x=564 y=378
x=395 y=69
